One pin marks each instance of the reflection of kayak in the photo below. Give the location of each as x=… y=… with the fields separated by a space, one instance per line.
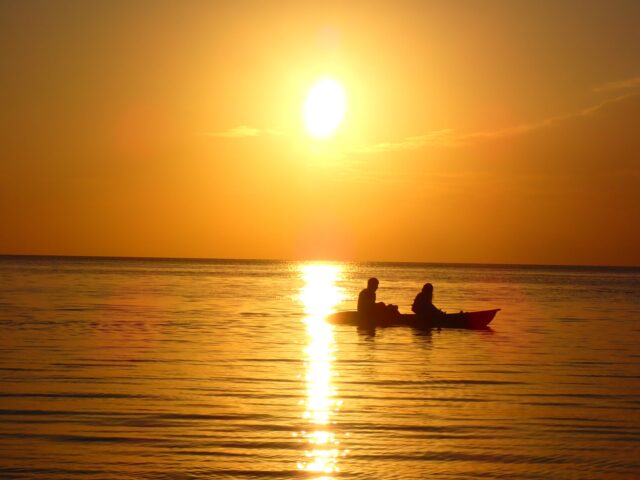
x=446 y=320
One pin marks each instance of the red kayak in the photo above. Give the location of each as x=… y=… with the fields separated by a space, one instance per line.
x=473 y=320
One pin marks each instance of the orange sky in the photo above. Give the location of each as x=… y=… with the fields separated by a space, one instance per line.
x=492 y=131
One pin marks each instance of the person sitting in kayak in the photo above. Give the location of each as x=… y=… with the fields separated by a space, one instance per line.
x=423 y=303
x=367 y=301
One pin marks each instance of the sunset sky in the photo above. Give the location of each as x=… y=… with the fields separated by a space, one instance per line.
x=474 y=131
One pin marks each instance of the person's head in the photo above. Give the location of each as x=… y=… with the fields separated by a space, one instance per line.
x=372 y=283
x=428 y=290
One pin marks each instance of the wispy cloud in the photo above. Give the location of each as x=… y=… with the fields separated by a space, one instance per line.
x=465 y=139
x=243 y=131
x=451 y=138
x=445 y=137
x=626 y=84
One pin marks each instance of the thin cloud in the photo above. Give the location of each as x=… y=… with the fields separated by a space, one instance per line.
x=467 y=138
x=445 y=137
x=626 y=84
x=243 y=131
x=450 y=138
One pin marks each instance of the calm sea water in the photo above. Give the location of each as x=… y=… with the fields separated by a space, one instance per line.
x=174 y=369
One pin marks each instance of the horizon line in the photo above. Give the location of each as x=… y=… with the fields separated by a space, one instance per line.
x=247 y=259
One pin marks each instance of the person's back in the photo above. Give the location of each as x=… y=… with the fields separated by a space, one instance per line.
x=419 y=304
x=367 y=297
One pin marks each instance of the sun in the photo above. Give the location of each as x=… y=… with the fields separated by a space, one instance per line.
x=324 y=108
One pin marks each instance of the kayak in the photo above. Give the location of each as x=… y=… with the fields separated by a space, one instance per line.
x=472 y=320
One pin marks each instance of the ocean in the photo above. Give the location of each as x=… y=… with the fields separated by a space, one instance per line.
x=205 y=369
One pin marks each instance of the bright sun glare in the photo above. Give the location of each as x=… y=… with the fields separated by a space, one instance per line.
x=324 y=108
x=320 y=295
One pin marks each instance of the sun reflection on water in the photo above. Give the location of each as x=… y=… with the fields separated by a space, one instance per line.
x=319 y=296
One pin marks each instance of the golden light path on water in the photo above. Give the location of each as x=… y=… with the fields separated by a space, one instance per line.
x=320 y=295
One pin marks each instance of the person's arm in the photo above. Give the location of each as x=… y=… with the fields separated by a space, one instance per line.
x=435 y=311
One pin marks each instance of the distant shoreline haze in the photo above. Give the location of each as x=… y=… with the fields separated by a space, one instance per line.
x=319 y=260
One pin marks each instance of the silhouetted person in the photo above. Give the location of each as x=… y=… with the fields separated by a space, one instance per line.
x=367 y=301
x=423 y=303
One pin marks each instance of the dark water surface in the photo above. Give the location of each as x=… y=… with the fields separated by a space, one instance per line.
x=175 y=369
